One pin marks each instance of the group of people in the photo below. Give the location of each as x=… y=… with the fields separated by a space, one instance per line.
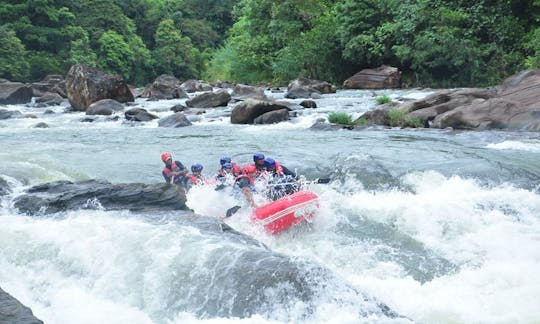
x=278 y=179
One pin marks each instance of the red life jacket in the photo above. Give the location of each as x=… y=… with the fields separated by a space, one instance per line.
x=249 y=172
x=279 y=169
x=194 y=178
x=168 y=171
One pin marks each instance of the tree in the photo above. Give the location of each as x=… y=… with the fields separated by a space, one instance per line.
x=13 y=63
x=174 y=54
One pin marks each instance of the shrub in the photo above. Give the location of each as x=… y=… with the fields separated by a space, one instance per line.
x=381 y=100
x=399 y=118
x=340 y=118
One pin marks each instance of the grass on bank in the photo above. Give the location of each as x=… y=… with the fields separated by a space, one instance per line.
x=399 y=118
x=381 y=100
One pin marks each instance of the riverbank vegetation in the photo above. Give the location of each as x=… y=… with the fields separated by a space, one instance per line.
x=439 y=43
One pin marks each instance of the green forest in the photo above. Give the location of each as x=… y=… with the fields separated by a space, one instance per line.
x=436 y=43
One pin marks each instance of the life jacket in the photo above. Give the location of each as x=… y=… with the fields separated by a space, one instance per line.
x=196 y=180
x=249 y=172
x=235 y=170
x=167 y=171
x=279 y=169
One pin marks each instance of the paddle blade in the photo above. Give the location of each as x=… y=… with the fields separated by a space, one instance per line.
x=231 y=211
x=323 y=180
x=219 y=187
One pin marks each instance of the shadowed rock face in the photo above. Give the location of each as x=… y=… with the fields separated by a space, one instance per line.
x=86 y=85
x=13 y=312
x=64 y=195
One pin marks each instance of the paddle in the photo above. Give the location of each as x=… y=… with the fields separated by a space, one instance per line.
x=231 y=211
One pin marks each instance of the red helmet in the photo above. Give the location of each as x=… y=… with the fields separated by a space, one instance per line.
x=165 y=156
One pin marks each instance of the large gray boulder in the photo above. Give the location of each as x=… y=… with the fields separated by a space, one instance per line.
x=50 y=84
x=515 y=106
x=14 y=93
x=190 y=86
x=164 y=87
x=86 y=85
x=13 y=312
x=244 y=92
x=62 y=196
x=245 y=112
x=218 y=98
x=175 y=120
x=139 y=115
x=307 y=88
x=272 y=117
x=104 y=107
x=383 y=77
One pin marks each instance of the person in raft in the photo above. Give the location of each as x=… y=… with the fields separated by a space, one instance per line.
x=234 y=167
x=246 y=182
x=195 y=177
x=174 y=171
x=282 y=181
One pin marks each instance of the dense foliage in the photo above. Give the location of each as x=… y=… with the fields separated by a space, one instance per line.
x=433 y=42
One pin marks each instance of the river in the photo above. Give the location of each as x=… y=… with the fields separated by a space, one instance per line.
x=442 y=226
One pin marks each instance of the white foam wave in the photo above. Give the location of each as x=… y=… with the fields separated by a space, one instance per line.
x=529 y=145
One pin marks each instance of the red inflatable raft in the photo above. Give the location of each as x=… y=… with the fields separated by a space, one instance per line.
x=283 y=213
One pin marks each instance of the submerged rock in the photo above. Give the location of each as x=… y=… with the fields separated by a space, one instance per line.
x=13 y=312
x=62 y=196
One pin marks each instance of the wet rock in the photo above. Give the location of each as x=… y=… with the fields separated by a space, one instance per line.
x=307 y=88
x=14 y=93
x=245 y=112
x=41 y=125
x=308 y=104
x=217 y=98
x=190 y=86
x=62 y=196
x=104 y=107
x=164 y=87
x=4 y=187
x=175 y=120
x=243 y=92
x=13 y=312
x=383 y=77
x=5 y=114
x=272 y=117
x=139 y=114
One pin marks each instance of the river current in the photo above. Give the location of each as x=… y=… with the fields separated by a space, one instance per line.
x=442 y=226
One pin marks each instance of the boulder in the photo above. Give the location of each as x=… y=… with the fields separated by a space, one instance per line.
x=49 y=99
x=14 y=93
x=383 y=77
x=243 y=92
x=175 y=120
x=164 y=87
x=139 y=115
x=4 y=187
x=41 y=125
x=308 y=104
x=190 y=86
x=62 y=196
x=86 y=85
x=272 y=117
x=13 y=312
x=245 y=112
x=5 y=114
x=50 y=84
x=104 y=107
x=513 y=106
x=307 y=88
x=213 y=99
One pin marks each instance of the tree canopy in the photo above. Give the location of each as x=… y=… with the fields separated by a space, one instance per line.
x=435 y=43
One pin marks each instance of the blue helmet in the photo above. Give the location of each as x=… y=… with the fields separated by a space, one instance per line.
x=269 y=162
x=257 y=157
x=196 y=167
x=226 y=165
x=224 y=160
